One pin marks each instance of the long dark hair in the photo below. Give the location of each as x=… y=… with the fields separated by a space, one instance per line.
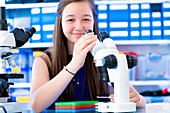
x=60 y=55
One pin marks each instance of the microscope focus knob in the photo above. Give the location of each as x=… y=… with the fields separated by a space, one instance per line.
x=132 y=61
x=109 y=61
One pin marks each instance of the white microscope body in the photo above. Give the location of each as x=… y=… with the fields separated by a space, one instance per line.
x=119 y=75
x=16 y=38
x=7 y=41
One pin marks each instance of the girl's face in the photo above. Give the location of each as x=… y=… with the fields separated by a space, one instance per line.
x=77 y=17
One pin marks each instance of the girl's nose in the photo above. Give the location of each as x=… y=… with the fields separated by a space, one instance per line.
x=79 y=26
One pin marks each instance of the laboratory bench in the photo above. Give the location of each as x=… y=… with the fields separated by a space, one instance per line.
x=150 y=108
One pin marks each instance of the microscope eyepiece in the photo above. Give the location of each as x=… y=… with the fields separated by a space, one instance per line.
x=31 y=31
x=103 y=35
x=3 y=22
x=22 y=37
x=88 y=31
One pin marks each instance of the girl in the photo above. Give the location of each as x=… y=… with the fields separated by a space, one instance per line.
x=79 y=79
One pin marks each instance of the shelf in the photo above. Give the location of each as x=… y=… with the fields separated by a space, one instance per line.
x=38 y=45
x=120 y=42
x=156 y=99
x=129 y=1
x=21 y=85
x=55 y=4
x=150 y=82
x=142 y=42
x=30 y=5
x=135 y=83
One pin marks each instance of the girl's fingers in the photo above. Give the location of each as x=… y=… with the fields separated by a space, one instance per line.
x=82 y=47
x=133 y=100
x=111 y=97
x=82 y=43
x=87 y=42
x=134 y=97
x=132 y=94
x=131 y=89
x=89 y=47
x=84 y=37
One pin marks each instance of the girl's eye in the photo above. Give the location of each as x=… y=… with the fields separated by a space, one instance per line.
x=70 y=20
x=86 y=19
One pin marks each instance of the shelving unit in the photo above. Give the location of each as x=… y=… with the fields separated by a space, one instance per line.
x=118 y=43
x=143 y=42
x=149 y=82
x=134 y=83
x=34 y=5
x=21 y=85
x=37 y=45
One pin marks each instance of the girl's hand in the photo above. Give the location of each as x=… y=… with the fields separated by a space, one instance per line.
x=111 y=97
x=133 y=96
x=81 y=48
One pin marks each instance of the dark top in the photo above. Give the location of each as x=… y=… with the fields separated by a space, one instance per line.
x=81 y=94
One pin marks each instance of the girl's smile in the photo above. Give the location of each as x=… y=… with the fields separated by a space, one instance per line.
x=78 y=34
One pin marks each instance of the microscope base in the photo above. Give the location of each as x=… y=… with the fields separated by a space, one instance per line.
x=116 y=107
x=10 y=107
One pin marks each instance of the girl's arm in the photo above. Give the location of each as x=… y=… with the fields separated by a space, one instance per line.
x=43 y=90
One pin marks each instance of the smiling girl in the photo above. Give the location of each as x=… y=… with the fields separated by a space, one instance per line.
x=79 y=79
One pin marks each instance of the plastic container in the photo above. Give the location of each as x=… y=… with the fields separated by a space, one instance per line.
x=153 y=67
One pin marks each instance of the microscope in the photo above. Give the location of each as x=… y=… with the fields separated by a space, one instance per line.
x=13 y=39
x=113 y=67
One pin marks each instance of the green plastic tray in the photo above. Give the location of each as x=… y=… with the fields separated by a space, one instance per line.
x=75 y=103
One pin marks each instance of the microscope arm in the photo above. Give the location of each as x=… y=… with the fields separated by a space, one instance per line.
x=117 y=67
x=118 y=71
